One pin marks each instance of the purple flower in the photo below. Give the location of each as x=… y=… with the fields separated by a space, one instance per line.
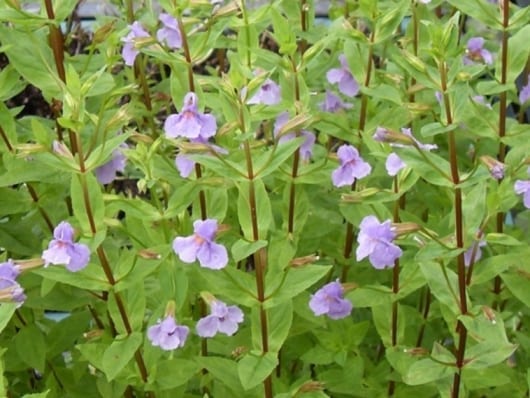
x=268 y=94
x=201 y=246
x=524 y=95
x=63 y=250
x=346 y=82
x=523 y=187
x=189 y=122
x=306 y=149
x=170 y=32
x=184 y=165
x=11 y=291
x=107 y=172
x=474 y=252
x=394 y=164
x=425 y=147
x=129 y=52
x=329 y=300
x=376 y=242
x=223 y=319
x=9 y=270
x=332 y=103
x=167 y=334
x=475 y=53
x=352 y=166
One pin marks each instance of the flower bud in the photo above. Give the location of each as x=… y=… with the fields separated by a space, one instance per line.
x=495 y=167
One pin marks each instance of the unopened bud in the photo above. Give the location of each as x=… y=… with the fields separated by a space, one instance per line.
x=207 y=297
x=93 y=334
x=359 y=196
x=385 y=135
x=489 y=314
x=301 y=261
x=101 y=34
x=62 y=150
x=149 y=254
x=170 y=309
x=349 y=286
x=416 y=351
x=310 y=386
x=29 y=264
x=405 y=228
x=495 y=167
x=238 y=352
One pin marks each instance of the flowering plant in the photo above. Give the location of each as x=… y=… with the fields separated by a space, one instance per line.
x=226 y=199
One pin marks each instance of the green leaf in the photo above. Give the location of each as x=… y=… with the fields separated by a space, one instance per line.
x=517 y=282
x=263 y=210
x=30 y=54
x=224 y=370
x=119 y=353
x=95 y=198
x=427 y=371
x=388 y=21
x=243 y=249
x=480 y=10
x=279 y=320
x=518 y=52
x=273 y=158
x=171 y=373
x=284 y=286
x=369 y=296
x=443 y=283
x=6 y=312
x=63 y=9
x=89 y=278
x=14 y=201
x=37 y=395
x=31 y=347
x=493 y=346
x=436 y=128
x=496 y=238
x=255 y=367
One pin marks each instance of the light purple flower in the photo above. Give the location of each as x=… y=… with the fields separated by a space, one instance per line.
x=425 y=147
x=63 y=250
x=11 y=291
x=332 y=103
x=170 y=32
x=524 y=95
x=393 y=164
x=129 y=51
x=167 y=335
x=201 y=246
x=329 y=300
x=523 y=187
x=352 y=166
x=376 y=242
x=189 y=122
x=184 y=165
x=476 y=53
x=9 y=270
x=306 y=149
x=107 y=172
x=343 y=77
x=497 y=171
x=223 y=319
x=269 y=94
x=475 y=247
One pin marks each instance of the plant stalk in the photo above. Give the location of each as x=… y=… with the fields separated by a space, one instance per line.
x=459 y=226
